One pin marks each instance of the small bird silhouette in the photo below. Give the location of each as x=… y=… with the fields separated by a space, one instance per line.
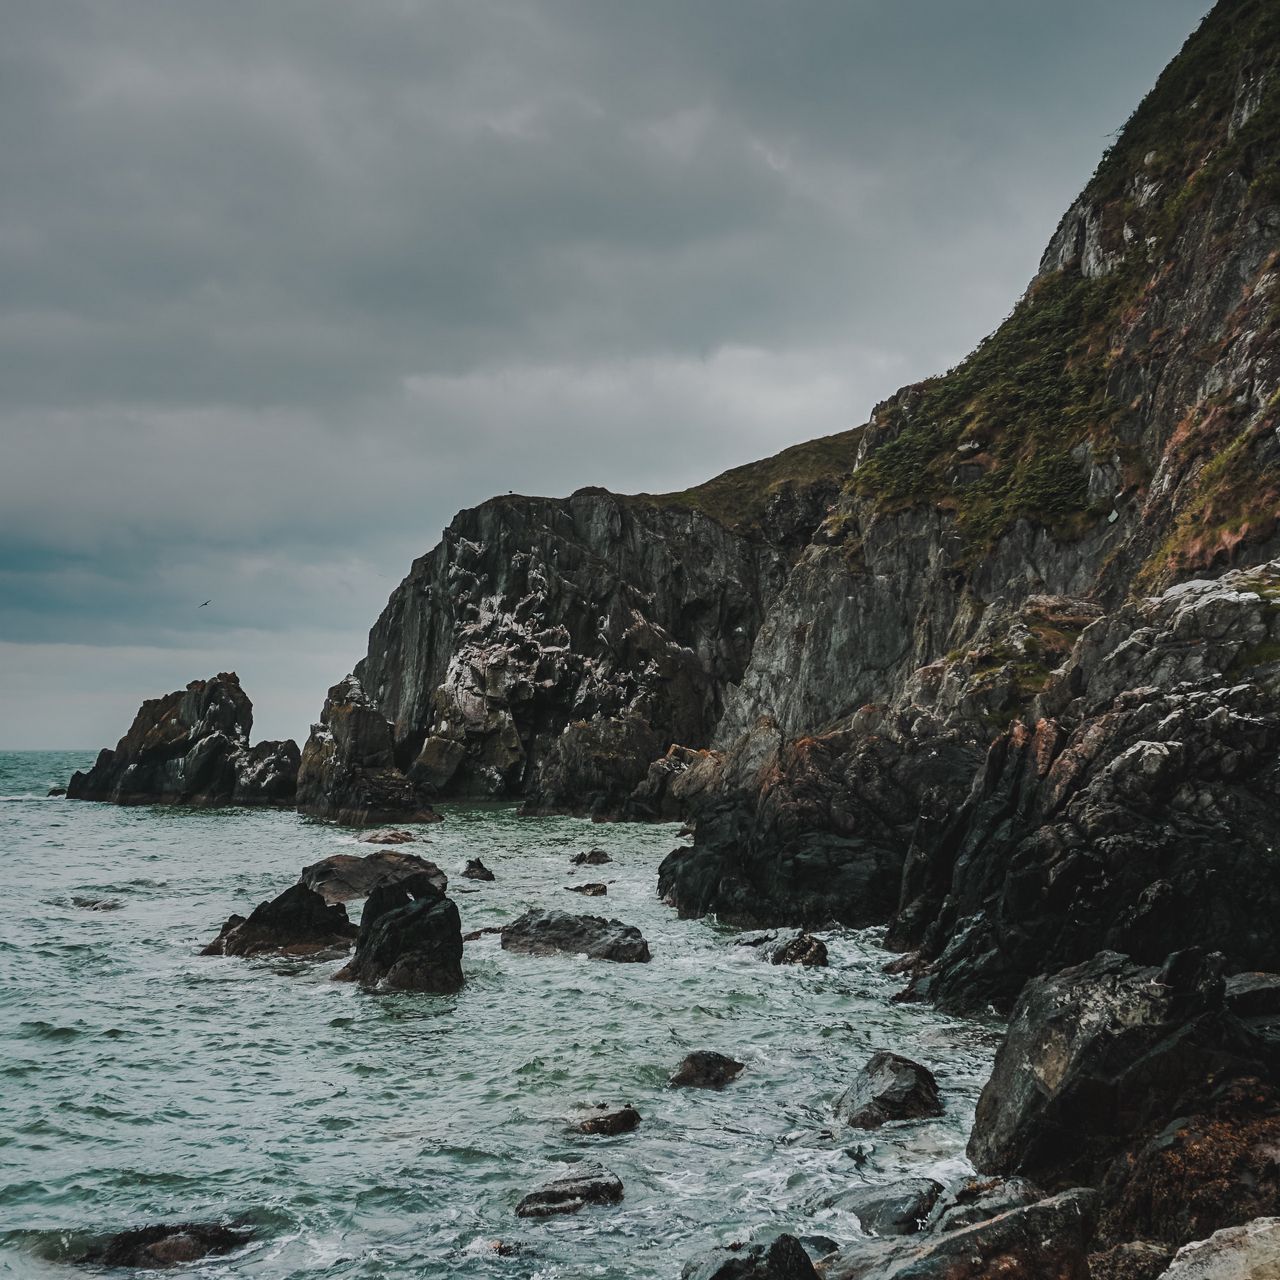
x=201 y=606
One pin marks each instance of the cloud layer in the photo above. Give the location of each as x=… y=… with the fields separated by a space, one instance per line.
x=284 y=284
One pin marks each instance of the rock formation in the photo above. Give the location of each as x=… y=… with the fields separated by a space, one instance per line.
x=343 y=877
x=705 y=1069
x=192 y=747
x=543 y=933
x=584 y=1183
x=410 y=939
x=298 y=922
x=889 y=1087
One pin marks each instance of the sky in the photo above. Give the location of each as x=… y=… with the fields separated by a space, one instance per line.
x=286 y=283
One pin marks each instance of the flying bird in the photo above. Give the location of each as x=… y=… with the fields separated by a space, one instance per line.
x=201 y=606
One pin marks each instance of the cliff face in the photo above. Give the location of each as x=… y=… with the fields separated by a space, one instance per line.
x=1115 y=437
x=192 y=747
x=551 y=648
x=948 y=664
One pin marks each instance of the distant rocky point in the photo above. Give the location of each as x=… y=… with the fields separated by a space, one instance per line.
x=192 y=747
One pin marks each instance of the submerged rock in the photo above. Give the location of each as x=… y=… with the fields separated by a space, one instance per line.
x=542 y=933
x=705 y=1069
x=297 y=922
x=476 y=870
x=192 y=747
x=592 y=858
x=781 y=1259
x=803 y=949
x=592 y=890
x=344 y=876
x=889 y=1087
x=603 y=1119
x=167 y=1245
x=410 y=940
x=892 y=1209
x=582 y=1184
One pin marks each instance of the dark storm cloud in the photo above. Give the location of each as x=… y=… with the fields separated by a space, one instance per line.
x=282 y=284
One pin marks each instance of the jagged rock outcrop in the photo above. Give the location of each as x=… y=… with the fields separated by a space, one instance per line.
x=192 y=747
x=553 y=648
x=410 y=939
x=297 y=922
x=348 y=771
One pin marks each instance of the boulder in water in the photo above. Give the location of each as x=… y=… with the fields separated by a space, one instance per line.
x=606 y=1120
x=410 y=940
x=167 y=1245
x=584 y=1183
x=543 y=933
x=892 y=1209
x=803 y=949
x=476 y=870
x=592 y=858
x=592 y=890
x=345 y=876
x=388 y=835
x=297 y=923
x=889 y=1087
x=781 y=1259
x=705 y=1069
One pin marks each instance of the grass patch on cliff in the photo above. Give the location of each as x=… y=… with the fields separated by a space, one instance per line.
x=740 y=498
x=993 y=439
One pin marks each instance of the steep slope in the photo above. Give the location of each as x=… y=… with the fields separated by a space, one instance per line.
x=1117 y=435
x=551 y=648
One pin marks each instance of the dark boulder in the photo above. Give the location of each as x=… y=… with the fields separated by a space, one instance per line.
x=892 y=1209
x=582 y=1184
x=781 y=1259
x=410 y=940
x=543 y=933
x=344 y=876
x=705 y=1069
x=192 y=747
x=974 y=1200
x=1043 y=1241
x=606 y=1120
x=592 y=858
x=592 y=890
x=476 y=870
x=298 y=922
x=890 y=1087
x=167 y=1245
x=1101 y=1054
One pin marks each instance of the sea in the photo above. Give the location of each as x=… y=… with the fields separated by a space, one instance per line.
x=364 y=1136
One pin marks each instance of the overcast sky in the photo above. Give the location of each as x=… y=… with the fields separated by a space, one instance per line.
x=284 y=283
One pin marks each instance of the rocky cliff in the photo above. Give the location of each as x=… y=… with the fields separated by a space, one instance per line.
x=192 y=747
x=552 y=648
x=998 y=669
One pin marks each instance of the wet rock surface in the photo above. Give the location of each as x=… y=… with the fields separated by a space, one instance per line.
x=894 y=1209
x=476 y=870
x=410 y=940
x=543 y=933
x=606 y=1120
x=297 y=922
x=803 y=949
x=890 y=1087
x=780 y=1259
x=192 y=747
x=167 y=1245
x=388 y=835
x=705 y=1069
x=343 y=877
x=593 y=889
x=974 y=1200
x=592 y=858
x=582 y=1184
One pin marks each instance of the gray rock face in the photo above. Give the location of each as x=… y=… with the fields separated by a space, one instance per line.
x=298 y=922
x=192 y=747
x=1044 y=1241
x=543 y=933
x=889 y=1087
x=894 y=1209
x=975 y=1200
x=410 y=940
x=344 y=877
x=582 y=1184
x=780 y=1259
x=1248 y=1252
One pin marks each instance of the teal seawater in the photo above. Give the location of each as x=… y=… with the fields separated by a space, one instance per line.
x=391 y=1136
